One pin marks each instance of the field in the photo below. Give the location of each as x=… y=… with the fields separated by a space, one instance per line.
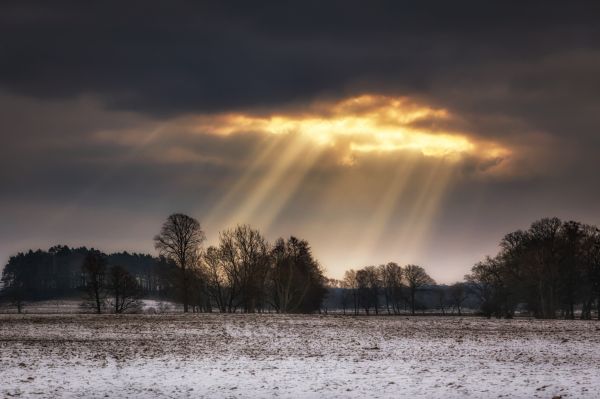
x=216 y=355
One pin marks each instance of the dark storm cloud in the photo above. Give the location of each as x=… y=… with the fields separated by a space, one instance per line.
x=161 y=59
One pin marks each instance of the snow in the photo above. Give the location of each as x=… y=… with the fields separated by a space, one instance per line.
x=61 y=306
x=296 y=356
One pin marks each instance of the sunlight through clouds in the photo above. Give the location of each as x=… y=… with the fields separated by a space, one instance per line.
x=354 y=130
x=381 y=164
x=362 y=124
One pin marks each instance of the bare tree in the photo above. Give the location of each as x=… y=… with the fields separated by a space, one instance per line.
x=217 y=282
x=124 y=290
x=440 y=292
x=200 y=300
x=246 y=259
x=94 y=273
x=458 y=294
x=362 y=289
x=416 y=277
x=15 y=295
x=391 y=279
x=368 y=287
x=590 y=260
x=351 y=285
x=180 y=239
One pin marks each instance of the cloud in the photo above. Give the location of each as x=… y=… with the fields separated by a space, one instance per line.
x=348 y=129
x=198 y=57
x=507 y=71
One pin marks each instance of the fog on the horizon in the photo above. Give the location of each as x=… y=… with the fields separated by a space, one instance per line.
x=420 y=134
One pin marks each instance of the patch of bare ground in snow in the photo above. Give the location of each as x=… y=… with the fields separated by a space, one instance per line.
x=266 y=355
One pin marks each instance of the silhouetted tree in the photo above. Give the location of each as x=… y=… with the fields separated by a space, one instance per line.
x=180 y=239
x=458 y=295
x=218 y=285
x=362 y=289
x=94 y=272
x=488 y=281
x=440 y=293
x=551 y=266
x=295 y=280
x=416 y=277
x=351 y=285
x=391 y=280
x=124 y=291
x=369 y=287
x=246 y=261
x=15 y=295
x=590 y=265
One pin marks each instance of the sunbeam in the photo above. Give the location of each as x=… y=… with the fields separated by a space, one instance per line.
x=268 y=192
x=424 y=207
x=261 y=163
x=390 y=199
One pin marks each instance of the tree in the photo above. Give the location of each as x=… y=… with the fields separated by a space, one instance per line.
x=94 y=272
x=571 y=268
x=369 y=286
x=216 y=278
x=590 y=264
x=440 y=293
x=350 y=284
x=552 y=266
x=15 y=294
x=490 y=282
x=199 y=293
x=124 y=290
x=391 y=280
x=362 y=290
x=542 y=255
x=458 y=294
x=246 y=260
x=180 y=239
x=416 y=277
x=296 y=282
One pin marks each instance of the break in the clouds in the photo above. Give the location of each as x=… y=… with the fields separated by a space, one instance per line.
x=376 y=130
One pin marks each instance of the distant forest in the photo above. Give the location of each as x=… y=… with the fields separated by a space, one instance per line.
x=550 y=270
x=59 y=272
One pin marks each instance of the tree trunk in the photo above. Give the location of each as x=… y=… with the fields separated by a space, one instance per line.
x=97 y=297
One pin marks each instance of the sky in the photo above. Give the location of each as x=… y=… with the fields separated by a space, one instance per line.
x=413 y=132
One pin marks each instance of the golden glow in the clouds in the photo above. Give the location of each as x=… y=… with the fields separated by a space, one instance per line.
x=363 y=124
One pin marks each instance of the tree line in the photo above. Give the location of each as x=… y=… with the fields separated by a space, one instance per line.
x=550 y=270
x=242 y=273
x=393 y=289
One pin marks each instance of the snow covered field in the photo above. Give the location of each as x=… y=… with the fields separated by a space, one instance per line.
x=216 y=355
